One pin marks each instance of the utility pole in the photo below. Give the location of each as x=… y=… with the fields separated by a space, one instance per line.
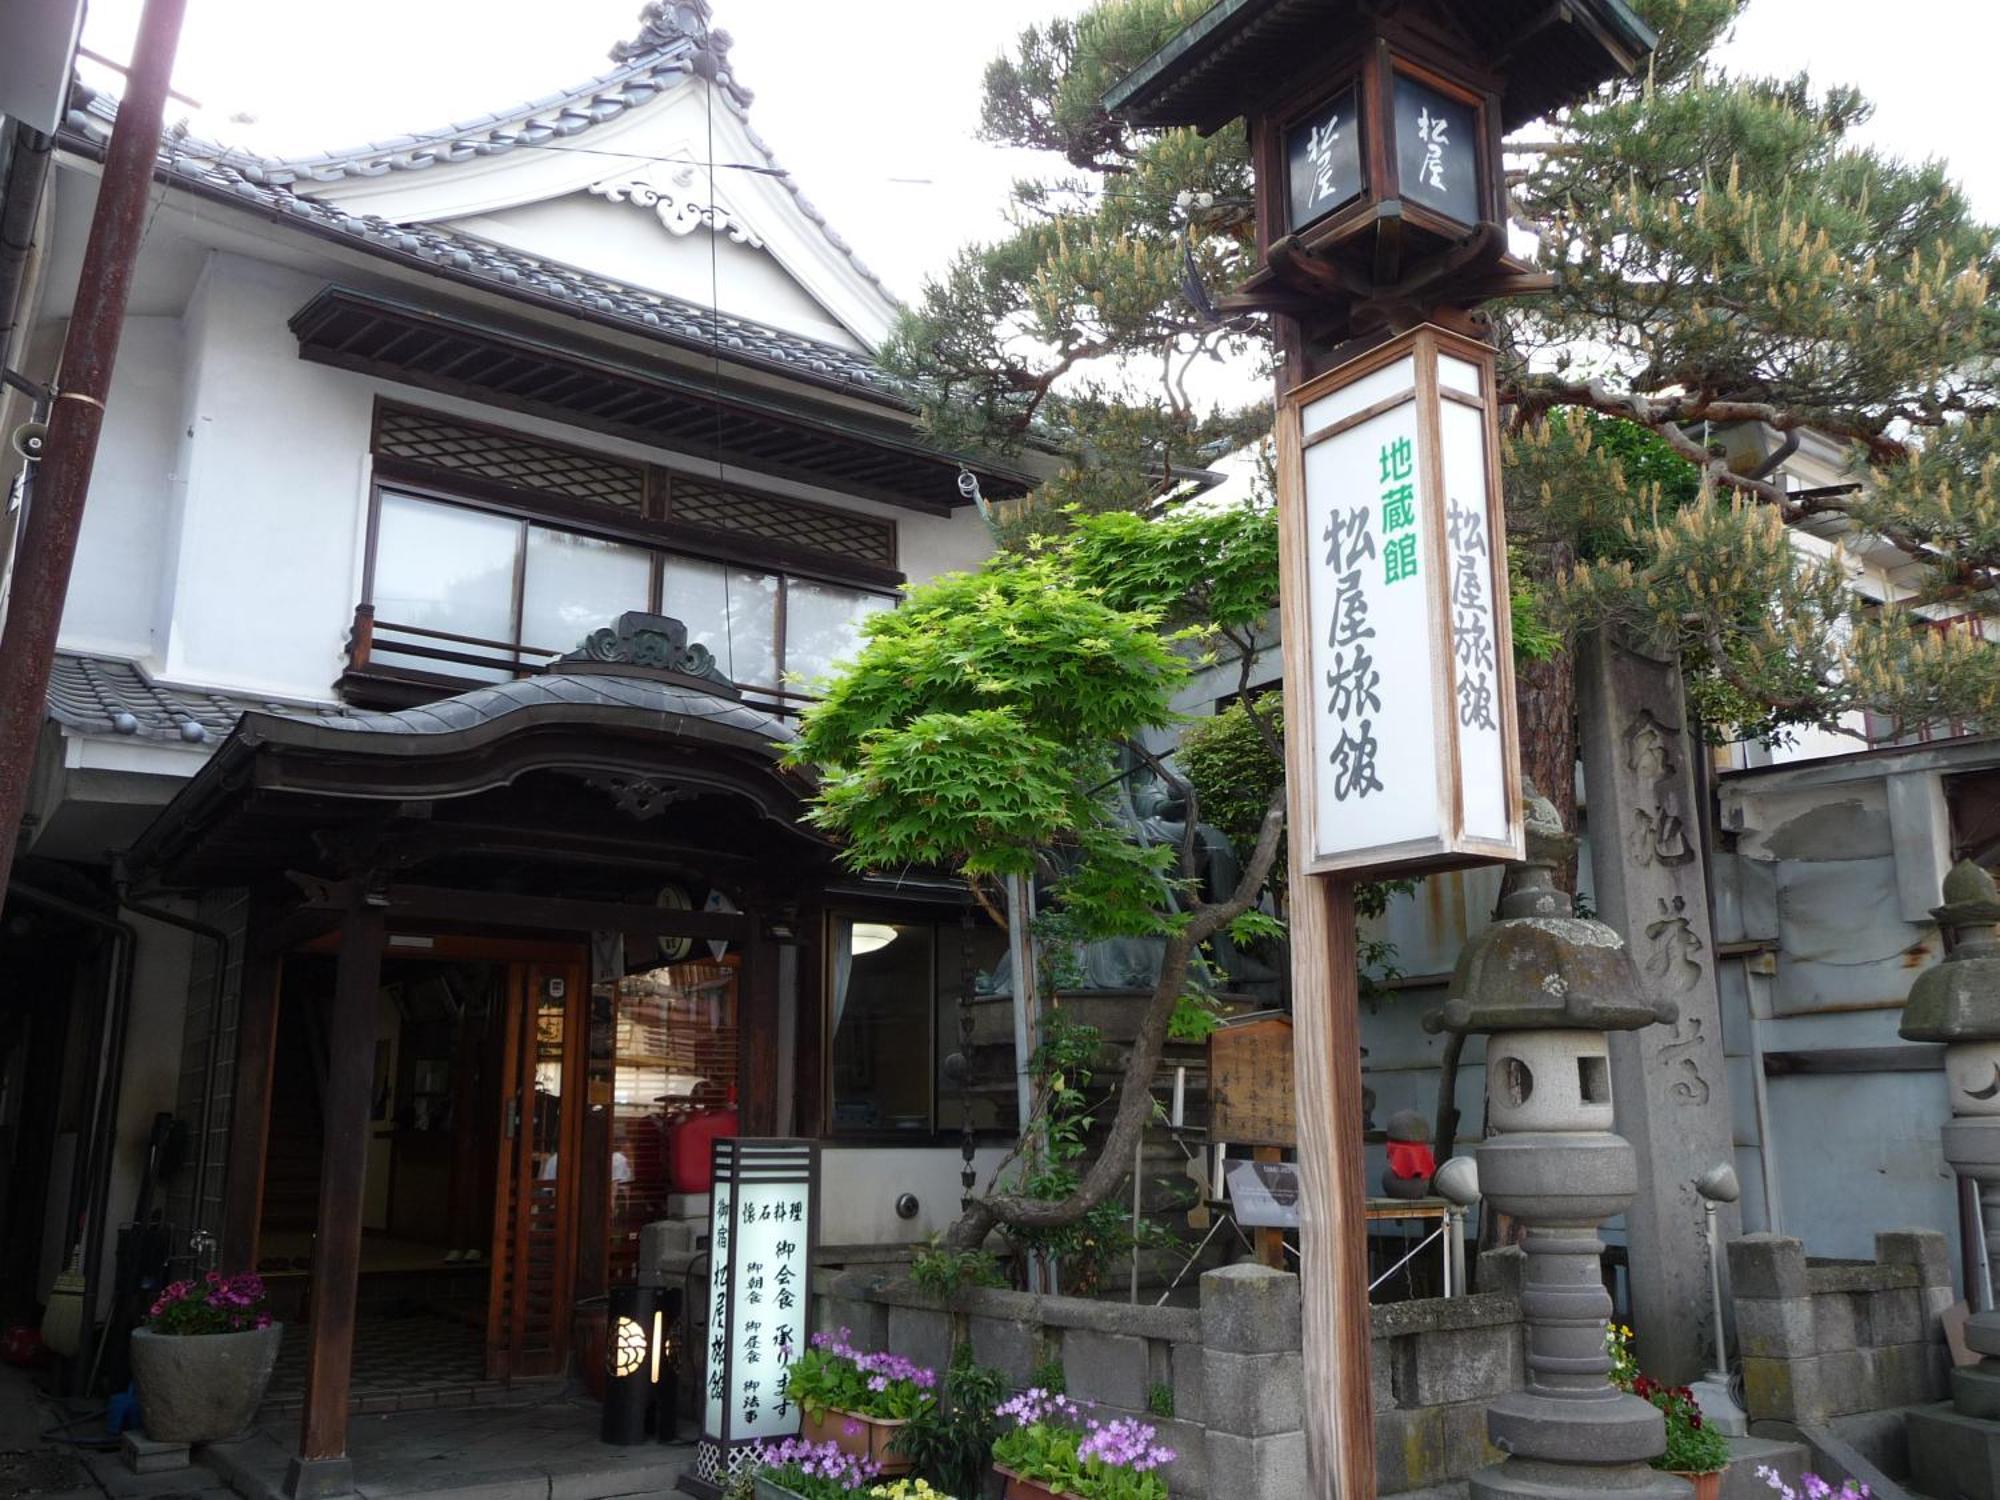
x=47 y=548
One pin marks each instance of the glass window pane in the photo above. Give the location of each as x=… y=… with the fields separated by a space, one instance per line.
x=753 y=628
x=823 y=629
x=732 y=613
x=444 y=568
x=577 y=584
x=673 y=1090
x=881 y=999
x=987 y=1090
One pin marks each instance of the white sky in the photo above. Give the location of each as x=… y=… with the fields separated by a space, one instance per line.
x=873 y=103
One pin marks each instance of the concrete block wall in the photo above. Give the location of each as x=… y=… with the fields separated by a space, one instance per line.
x=1827 y=1339
x=1234 y=1367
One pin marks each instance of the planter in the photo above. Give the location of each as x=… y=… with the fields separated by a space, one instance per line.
x=1706 y=1486
x=770 y=1489
x=1025 y=1489
x=868 y=1440
x=204 y=1387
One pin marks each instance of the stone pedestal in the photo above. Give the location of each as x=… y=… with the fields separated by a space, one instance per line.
x=1957 y=1452
x=1545 y=987
x=1648 y=882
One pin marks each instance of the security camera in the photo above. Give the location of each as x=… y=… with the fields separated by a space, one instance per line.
x=29 y=439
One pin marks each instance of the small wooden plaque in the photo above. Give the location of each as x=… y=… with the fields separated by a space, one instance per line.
x=1250 y=1086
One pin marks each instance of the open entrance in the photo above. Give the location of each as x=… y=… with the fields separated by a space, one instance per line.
x=472 y=1162
x=525 y=1124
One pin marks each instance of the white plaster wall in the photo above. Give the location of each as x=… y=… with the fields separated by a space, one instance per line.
x=227 y=548
x=264 y=576
x=859 y=1186
x=113 y=598
x=627 y=242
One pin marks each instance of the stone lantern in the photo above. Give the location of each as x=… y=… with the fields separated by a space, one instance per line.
x=1957 y=1002
x=1546 y=987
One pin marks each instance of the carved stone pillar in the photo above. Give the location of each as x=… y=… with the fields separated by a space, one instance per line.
x=1648 y=881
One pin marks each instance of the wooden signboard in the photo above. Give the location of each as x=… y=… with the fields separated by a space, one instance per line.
x=1250 y=1085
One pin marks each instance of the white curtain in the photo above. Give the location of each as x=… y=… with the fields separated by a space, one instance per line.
x=843 y=967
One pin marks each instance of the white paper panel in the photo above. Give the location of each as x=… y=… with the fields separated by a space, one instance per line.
x=1475 y=626
x=1359 y=396
x=721 y=1234
x=770 y=1266
x=1458 y=374
x=1375 y=778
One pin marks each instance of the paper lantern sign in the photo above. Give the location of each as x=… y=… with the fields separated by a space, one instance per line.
x=1323 y=159
x=1389 y=468
x=1438 y=158
x=763 y=1226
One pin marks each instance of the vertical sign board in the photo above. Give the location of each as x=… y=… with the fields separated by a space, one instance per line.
x=1411 y=725
x=763 y=1228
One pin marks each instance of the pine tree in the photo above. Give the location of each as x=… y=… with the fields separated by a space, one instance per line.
x=1724 y=254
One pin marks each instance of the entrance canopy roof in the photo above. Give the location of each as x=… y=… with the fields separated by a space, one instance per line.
x=608 y=764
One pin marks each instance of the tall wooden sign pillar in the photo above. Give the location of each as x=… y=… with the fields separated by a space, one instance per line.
x=1374 y=130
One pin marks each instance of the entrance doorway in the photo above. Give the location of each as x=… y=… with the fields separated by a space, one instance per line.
x=472 y=1164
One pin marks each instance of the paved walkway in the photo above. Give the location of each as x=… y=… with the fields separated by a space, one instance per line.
x=547 y=1450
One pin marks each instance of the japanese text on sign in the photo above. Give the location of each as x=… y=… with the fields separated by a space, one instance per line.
x=768 y=1276
x=1374 y=750
x=1323 y=160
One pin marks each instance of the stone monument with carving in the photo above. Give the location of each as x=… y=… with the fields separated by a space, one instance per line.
x=1547 y=988
x=1647 y=877
x=1956 y=1451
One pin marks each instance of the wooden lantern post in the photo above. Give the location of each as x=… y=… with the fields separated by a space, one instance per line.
x=1375 y=130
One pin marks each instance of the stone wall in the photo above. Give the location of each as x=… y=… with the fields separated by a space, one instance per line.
x=1233 y=1367
x=1827 y=1339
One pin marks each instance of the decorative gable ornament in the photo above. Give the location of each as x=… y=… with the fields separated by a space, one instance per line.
x=656 y=645
x=678 y=212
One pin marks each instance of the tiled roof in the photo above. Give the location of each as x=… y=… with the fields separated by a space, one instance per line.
x=108 y=695
x=674 y=44
x=568 y=692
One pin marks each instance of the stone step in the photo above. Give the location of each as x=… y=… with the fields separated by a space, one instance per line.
x=1748 y=1454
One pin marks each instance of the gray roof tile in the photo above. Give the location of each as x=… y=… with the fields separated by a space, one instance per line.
x=108 y=695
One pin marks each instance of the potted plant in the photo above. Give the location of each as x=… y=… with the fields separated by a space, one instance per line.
x=1695 y=1451
x=203 y=1358
x=1054 y=1453
x=797 y=1469
x=859 y=1401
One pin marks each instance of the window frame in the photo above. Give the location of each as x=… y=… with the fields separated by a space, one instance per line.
x=579 y=517
x=934 y=921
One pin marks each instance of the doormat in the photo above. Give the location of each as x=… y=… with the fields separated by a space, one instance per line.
x=41 y=1472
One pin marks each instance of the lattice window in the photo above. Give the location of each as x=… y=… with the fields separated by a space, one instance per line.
x=427 y=438
x=697 y=502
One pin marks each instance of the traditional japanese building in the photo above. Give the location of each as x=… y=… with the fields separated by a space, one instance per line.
x=413 y=834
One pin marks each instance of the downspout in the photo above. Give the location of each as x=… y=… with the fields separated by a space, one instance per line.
x=216 y=986
x=27 y=173
x=108 y=1084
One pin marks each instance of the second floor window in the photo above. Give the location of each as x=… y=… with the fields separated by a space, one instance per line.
x=525 y=592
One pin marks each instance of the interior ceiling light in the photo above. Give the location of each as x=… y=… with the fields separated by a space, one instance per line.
x=870 y=936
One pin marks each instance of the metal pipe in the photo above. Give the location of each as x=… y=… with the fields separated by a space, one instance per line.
x=107 y=1085
x=1976 y=1267
x=27 y=173
x=90 y=350
x=1454 y=1266
x=1708 y=1208
x=205 y=1121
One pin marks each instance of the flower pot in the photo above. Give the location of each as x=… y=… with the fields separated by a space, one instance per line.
x=1706 y=1486
x=867 y=1438
x=770 y=1489
x=1024 y=1489
x=202 y=1387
